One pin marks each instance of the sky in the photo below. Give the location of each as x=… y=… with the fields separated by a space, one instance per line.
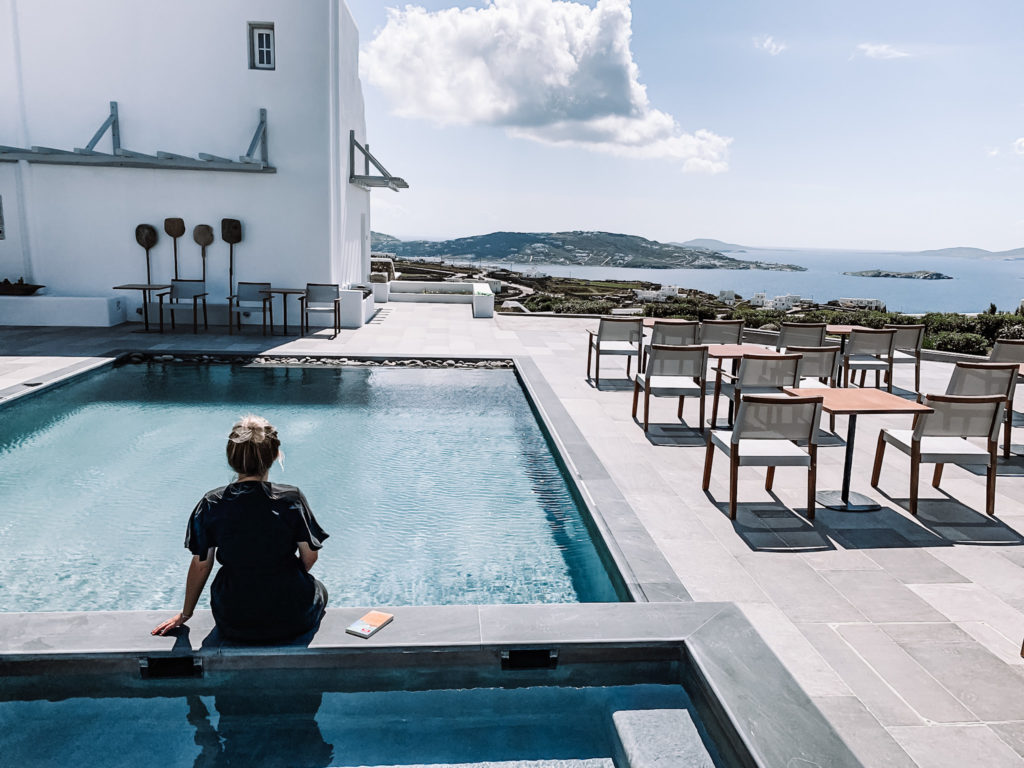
x=853 y=124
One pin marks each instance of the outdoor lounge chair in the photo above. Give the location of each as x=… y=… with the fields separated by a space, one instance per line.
x=987 y=379
x=321 y=297
x=907 y=348
x=940 y=438
x=615 y=336
x=869 y=350
x=721 y=331
x=184 y=295
x=758 y=375
x=674 y=333
x=801 y=335
x=247 y=298
x=766 y=428
x=673 y=372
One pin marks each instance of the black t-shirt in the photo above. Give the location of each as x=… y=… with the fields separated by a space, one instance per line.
x=262 y=592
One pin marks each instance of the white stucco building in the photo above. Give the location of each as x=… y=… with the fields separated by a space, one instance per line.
x=187 y=78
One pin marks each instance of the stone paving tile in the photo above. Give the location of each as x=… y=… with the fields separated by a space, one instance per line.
x=971 y=604
x=873 y=745
x=979 y=680
x=799 y=590
x=709 y=572
x=940 y=746
x=1012 y=734
x=811 y=671
x=840 y=560
x=905 y=675
x=997 y=574
x=880 y=597
x=870 y=688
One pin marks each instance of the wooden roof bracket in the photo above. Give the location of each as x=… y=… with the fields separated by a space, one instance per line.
x=120 y=157
x=366 y=180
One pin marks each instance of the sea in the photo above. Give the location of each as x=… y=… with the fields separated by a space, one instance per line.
x=976 y=282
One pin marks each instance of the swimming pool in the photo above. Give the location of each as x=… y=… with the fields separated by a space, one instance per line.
x=438 y=486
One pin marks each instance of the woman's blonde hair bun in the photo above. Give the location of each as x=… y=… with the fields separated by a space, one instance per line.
x=253 y=446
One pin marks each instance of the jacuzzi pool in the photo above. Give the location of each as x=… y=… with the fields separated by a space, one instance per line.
x=437 y=486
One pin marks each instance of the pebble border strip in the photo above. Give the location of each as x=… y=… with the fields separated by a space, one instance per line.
x=327 y=362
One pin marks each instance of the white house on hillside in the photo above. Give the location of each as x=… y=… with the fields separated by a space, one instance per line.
x=131 y=113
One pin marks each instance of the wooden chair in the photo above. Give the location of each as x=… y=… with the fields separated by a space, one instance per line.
x=987 y=379
x=321 y=297
x=801 y=335
x=940 y=438
x=869 y=350
x=721 y=331
x=673 y=333
x=819 y=368
x=184 y=295
x=615 y=336
x=907 y=348
x=248 y=297
x=673 y=372
x=758 y=375
x=765 y=435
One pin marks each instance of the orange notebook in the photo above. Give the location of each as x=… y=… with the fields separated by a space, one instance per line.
x=370 y=624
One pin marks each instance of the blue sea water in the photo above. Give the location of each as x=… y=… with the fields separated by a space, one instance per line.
x=976 y=283
x=437 y=487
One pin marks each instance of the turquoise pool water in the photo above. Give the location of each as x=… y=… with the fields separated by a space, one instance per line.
x=307 y=728
x=437 y=487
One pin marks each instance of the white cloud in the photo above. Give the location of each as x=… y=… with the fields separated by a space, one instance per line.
x=1018 y=146
x=553 y=71
x=880 y=51
x=992 y=151
x=769 y=44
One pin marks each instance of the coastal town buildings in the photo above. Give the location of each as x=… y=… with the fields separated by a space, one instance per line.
x=242 y=110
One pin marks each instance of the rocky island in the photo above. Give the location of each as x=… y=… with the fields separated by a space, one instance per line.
x=921 y=274
x=590 y=249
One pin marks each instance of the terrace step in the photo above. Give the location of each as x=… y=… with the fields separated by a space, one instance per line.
x=599 y=762
x=660 y=738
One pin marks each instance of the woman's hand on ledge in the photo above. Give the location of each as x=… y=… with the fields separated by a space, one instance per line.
x=178 y=621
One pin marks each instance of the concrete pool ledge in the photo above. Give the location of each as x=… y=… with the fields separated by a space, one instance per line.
x=709 y=648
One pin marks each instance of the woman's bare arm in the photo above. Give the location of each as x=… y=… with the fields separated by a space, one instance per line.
x=198 y=573
x=307 y=555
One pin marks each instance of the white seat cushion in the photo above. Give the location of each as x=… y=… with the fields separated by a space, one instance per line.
x=938 y=450
x=763 y=453
x=617 y=348
x=868 y=363
x=670 y=386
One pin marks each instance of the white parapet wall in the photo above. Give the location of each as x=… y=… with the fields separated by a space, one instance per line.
x=427 y=291
x=87 y=311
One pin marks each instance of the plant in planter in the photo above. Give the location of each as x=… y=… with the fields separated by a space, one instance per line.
x=20 y=288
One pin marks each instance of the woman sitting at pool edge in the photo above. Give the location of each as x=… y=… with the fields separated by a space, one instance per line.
x=266 y=540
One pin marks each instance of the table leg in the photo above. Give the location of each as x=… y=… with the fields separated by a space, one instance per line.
x=145 y=310
x=284 y=313
x=844 y=500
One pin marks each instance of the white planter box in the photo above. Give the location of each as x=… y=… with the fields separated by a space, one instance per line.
x=381 y=292
x=87 y=311
x=483 y=301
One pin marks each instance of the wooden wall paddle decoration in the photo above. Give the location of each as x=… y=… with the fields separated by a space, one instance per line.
x=175 y=228
x=231 y=233
x=203 y=235
x=145 y=235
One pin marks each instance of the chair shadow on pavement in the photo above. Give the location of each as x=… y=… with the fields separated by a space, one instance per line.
x=953 y=522
x=611 y=384
x=674 y=434
x=772 y=526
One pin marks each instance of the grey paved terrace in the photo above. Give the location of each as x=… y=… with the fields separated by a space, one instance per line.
x=906 y=632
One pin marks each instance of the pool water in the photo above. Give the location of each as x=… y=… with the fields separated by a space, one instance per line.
x=305 y=728
x=437 y=486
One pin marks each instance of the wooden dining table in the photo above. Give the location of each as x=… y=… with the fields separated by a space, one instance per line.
x=147 y=289
x=853 y=402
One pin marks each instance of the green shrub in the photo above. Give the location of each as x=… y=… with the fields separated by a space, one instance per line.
x=991 y=325
x=949 y=322
x=1012 y=331
x=685 y=309
x=964 y=343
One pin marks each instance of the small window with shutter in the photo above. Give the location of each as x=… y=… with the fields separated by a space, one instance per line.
x=261 y=46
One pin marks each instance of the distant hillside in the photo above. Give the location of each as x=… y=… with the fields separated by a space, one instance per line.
x=712 y=245
x=973 y=253
x=572 y=248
